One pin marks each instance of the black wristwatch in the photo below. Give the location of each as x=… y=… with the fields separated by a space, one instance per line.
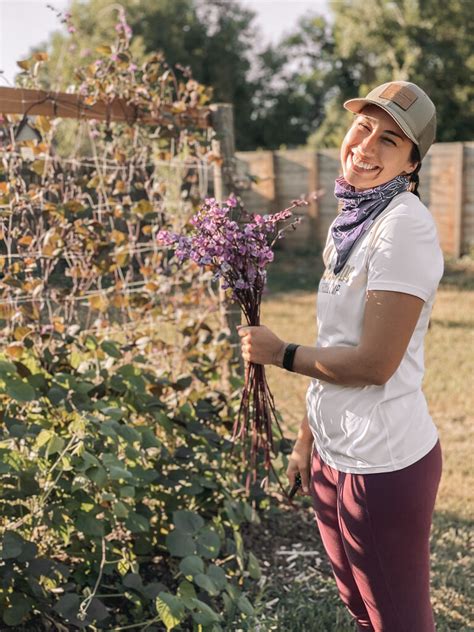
x=289 y=356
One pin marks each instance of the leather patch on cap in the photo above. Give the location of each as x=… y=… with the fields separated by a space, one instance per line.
x=403 y=96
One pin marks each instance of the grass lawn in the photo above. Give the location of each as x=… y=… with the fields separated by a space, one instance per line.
x=298 y=592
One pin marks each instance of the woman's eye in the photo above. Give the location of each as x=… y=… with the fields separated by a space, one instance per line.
x=390 y=141
x=364 y=126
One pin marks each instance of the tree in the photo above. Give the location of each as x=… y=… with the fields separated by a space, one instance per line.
x=428 y=42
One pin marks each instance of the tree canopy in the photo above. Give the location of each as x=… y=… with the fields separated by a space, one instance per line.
x=291 y=93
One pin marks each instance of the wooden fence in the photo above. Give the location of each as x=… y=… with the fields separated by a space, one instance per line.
x=446 y=187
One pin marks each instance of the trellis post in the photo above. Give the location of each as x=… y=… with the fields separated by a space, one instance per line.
x=223 y=148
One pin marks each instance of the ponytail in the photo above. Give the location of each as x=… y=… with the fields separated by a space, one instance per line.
x=414 y=178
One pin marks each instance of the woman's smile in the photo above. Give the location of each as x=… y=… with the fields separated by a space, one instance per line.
x=359 y=164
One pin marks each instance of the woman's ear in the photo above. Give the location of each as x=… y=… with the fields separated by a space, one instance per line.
x=412 y=168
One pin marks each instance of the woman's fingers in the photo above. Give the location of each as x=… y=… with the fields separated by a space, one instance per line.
x=305 y=476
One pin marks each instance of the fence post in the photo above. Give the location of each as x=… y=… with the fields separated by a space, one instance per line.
x=223 y=147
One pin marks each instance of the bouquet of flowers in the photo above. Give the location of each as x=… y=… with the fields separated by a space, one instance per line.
x=237 y=246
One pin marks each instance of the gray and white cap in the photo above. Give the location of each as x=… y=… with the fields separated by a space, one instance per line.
x=408 y=105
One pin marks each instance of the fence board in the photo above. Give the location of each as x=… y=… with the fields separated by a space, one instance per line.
x=446 y=187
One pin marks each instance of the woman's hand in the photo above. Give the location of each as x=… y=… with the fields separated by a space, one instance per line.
x=299 y=462
x=260 y=345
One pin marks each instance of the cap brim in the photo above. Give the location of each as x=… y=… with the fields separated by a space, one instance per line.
x=356 y=105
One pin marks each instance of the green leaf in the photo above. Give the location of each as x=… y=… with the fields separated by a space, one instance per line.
x=186 y=591
x=170 y=609
x=120 y=510
x=208 y=543
x=180 y=544
x=245 y=606
x=43 y=438
x=205 y=614
x=7 y=367
x=56 y=445
x=137 y=523
x=253 y=567
x=217 y=574
x=68 y=605
x=56 y=394
x=239 y=544
x=20 y=607
x=119 y=473
x=133 y=580
x=127 y=491
x=111 y=349
x=191 y=565
x=206 y=583
x=19 y=390
x=12 y=545
x=188 y=521
x=89 y=525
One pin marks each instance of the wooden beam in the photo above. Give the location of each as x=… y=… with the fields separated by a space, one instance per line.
x=63 y=105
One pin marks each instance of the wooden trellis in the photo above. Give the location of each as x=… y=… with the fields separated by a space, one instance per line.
x=64 y=105
x=28 y=102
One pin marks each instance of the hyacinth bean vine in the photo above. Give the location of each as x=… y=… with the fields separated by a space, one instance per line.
x=120 y=502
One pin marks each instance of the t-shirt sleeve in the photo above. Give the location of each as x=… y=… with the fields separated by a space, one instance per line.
x=405 y=256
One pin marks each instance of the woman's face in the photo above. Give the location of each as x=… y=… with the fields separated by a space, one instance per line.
x=375 y=150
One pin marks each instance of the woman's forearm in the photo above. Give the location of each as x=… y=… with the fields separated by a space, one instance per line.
x=304 y=432
x=345 y=366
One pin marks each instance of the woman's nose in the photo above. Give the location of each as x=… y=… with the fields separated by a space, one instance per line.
x=368 y=144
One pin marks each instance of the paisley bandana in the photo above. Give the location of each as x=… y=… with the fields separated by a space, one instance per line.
x=359 y=210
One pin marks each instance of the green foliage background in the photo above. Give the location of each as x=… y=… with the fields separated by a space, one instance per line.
x=290 y=93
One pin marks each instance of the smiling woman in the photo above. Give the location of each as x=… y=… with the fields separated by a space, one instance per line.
x=367 y=449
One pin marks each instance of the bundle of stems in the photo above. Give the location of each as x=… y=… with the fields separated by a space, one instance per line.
x=238 y=246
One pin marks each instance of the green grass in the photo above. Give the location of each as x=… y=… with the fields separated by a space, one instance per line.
x=301 y=595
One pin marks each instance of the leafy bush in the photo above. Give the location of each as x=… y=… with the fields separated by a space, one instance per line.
x=118 y=481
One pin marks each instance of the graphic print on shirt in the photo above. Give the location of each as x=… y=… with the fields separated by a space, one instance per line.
x=331 y=282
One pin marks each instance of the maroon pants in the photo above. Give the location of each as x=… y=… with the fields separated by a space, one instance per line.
x=375 y=529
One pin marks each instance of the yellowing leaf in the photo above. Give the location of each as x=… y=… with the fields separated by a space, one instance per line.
x=14 y=350
x=43 y=124
x=99 y=302
x=118 y=236
x=26 y=240
x=74 y=206
x=38 y=167
x=120 y=300
x=25 y=64
x=49 y=206
x=103 y=50
x=120 y=187
x=93 y=182
x=48 y=250
x=142 y=207
x=40 y=56
x=58 y=325
x=21 y=332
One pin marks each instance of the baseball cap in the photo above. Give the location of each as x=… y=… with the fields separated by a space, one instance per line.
x=408 y=105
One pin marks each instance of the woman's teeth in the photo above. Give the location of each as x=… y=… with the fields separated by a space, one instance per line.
x=362 y=165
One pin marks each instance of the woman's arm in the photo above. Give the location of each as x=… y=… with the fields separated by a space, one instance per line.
x=389 y=321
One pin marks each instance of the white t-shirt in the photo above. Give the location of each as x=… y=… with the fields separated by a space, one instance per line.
x=368 y=429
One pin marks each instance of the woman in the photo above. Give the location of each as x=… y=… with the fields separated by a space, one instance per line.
x=375 y=468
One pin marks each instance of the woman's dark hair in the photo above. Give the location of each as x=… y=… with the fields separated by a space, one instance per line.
x=414 y=179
